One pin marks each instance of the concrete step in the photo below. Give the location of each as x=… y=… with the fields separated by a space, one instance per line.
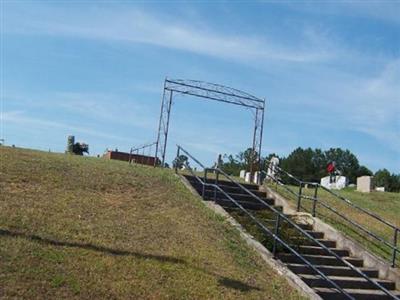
x=332 y=270
x=320 y=260
x=305 y=226
x=316 y=250
x=327 y=243
x=245 y=204
x=302 y=240
x=346 y=282
x=316 y=234
x=359 y=294
x=210 y=194
x=229 y=189
x=225 y=182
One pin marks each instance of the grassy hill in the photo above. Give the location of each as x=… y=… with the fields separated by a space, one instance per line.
x=386 y=205
x=78 y=227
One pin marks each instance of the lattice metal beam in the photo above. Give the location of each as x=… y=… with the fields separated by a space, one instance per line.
x=214 y=92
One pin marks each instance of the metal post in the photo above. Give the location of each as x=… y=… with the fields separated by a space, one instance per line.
x=215 y=188
x=167 y=127
x=395 y=247
x=177 y=158
x=299 y=197
x=204 y=184
x=253 y=151
x=260 y=141
x=216 y=170
x=158 y=146
x=315 y=200
x=130 y=156
x=276 y=232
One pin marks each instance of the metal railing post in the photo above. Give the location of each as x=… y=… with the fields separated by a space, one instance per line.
x=216 y=183
x=395 y=247
x=276 y=232
x=204 y=184
x=299 y=197
x=177 y=158
x=130 y=156
x=315 y=200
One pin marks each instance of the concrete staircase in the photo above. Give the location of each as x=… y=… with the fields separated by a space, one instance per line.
x=346 y=278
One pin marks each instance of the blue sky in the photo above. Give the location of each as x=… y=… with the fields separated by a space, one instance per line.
x=330 y=73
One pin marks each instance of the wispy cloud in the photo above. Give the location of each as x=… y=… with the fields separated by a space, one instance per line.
x=100 y=107
x=22 y=119
x=387 y=11
x=135 y=26
x=367 y=104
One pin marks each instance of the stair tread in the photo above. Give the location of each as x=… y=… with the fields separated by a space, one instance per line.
x=319 y=247
x=323 y=256
x=349 y=278
x=353 y=291
x=330 y=266
x=233 y=195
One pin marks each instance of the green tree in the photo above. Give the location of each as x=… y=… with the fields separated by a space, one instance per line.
x=319 y=162
x=364 y=171
x=394 y=183
x=180 y=161
x=300 y=164
x=346 y=162
x=248 y=158
x=80 y=148
x=382 y=178
x=231 y=165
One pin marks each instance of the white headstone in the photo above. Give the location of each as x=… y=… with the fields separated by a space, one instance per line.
x=247 y=177
x=338 y=182
x=242 y=173
x=364 y=184
x=325 y=182
x=341 y=182
x=256 y=177
x=274 y=162
x=380 y=189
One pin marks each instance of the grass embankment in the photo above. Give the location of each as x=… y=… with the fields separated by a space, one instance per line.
x=386 y=205
x=78 y=227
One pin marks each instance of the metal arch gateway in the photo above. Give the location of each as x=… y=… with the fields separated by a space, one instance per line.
x=214 y=92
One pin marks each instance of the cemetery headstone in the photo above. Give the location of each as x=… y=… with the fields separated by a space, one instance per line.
x=334 y=182
x=247 y=177
x=256 y=177
x=272 y=167
x=364 y=184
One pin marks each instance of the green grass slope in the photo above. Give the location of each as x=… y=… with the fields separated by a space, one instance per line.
x=87 y=228
x=386 y=205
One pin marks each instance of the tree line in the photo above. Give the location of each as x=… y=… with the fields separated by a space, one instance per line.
x=310 y=165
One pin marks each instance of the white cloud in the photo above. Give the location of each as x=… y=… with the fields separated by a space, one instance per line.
x=134 y=26
x=367 y=104
x=387 y=11
x=101 y=107
x=22 y=119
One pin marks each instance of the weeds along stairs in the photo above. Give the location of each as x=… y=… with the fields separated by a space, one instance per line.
x=332 y=272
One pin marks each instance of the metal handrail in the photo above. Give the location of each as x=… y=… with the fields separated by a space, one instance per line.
x=142 y=147
x=266 y=230
x=315 y=198
x=284 y=217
